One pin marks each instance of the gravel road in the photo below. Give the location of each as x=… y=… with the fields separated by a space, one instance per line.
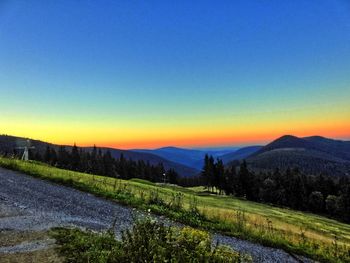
x=27 y=203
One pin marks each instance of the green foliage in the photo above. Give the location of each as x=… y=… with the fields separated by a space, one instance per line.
x=240 y=221
x=101 y=162
x=316 y=201
x=288 y=188
x=332 y=204
x=165 y=201
x=78 y=246
x=155 y=199
x=176 y=201
x=148 y=241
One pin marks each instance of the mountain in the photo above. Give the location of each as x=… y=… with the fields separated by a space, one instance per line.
x=337 y=148
x=217 y=151
x=312 y=155
x=240 y=154
x=190 y=157
x=184 y=156
x=9 y=143
x=181 y=169
x=286 y=141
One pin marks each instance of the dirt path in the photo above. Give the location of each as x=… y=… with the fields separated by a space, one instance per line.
x=30 y=204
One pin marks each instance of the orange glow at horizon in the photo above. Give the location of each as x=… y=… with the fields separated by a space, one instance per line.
x=226 y=130
x=214 y=140
x=196 y=141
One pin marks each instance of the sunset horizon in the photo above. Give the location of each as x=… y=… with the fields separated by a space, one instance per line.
x=137 y=75
x=187 y=144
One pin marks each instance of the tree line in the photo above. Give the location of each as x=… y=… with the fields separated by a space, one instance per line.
x=320 y=194
x=101 y=162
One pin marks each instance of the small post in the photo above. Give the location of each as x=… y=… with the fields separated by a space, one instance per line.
x=164 y=178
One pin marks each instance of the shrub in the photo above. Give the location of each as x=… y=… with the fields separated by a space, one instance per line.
x=176 y=202
x=332 y=204
x=155 y=199
x=147 y=241
x=80 y=247
x=316 y=201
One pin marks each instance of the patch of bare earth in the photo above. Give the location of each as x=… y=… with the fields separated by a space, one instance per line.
x=25 y=246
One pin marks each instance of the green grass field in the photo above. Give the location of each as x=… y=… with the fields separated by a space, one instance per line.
x=308 y=234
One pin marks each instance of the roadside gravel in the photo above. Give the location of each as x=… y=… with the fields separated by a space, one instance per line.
x=27 y=203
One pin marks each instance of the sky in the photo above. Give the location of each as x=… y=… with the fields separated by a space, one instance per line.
x=146 y=74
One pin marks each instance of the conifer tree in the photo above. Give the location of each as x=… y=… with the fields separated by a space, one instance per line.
x=75 y=158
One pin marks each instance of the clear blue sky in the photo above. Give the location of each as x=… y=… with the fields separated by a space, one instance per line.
x=160 y=72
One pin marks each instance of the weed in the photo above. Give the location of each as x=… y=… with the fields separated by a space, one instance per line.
x=176 y=201
x=240 y=221
x=155 y=199
x=147 y=241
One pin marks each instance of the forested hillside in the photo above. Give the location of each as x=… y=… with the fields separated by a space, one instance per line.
x=291 y=188
x=310 y=155
x=9 y=144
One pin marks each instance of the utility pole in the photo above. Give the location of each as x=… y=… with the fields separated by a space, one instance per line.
x=164 y=178
x=25 y=156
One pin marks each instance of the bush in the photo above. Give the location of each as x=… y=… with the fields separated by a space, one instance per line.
x=177 y=201
x=332 y=204
x=80 y=247
x=155 y=199
x=148 y=241
x=316 y=201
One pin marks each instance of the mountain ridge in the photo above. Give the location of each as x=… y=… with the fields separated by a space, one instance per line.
x=190 y=157
x=8 y=144
x=311 y=155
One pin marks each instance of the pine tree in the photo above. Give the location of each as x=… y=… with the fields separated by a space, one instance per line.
x=47 y=155
x=172 y=176
x=75 y=158
x=219 y=175
x=205 y=171
x=53 y=160
x=241 y=187
x=108 y=164
x=211 y=173
x=63 y=157
x=230 y=180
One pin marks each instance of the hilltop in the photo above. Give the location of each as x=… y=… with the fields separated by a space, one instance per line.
x=311 y=155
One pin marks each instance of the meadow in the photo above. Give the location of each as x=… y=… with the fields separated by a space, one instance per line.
x=314 y=236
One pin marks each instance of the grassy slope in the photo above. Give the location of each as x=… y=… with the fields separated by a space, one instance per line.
x=293 y=231
x=224 y=207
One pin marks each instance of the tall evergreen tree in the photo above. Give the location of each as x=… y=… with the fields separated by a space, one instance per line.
x=75 y=158
x=219 y=175
x=47 y=155
x=205 y=171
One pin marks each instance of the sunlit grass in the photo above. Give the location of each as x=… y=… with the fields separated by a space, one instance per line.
x=299 y=232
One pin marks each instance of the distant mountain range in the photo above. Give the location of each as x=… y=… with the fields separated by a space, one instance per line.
x=190 y=157
x=312 y=155
x=240 y=154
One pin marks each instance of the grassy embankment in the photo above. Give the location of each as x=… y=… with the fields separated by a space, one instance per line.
x=307 y=234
